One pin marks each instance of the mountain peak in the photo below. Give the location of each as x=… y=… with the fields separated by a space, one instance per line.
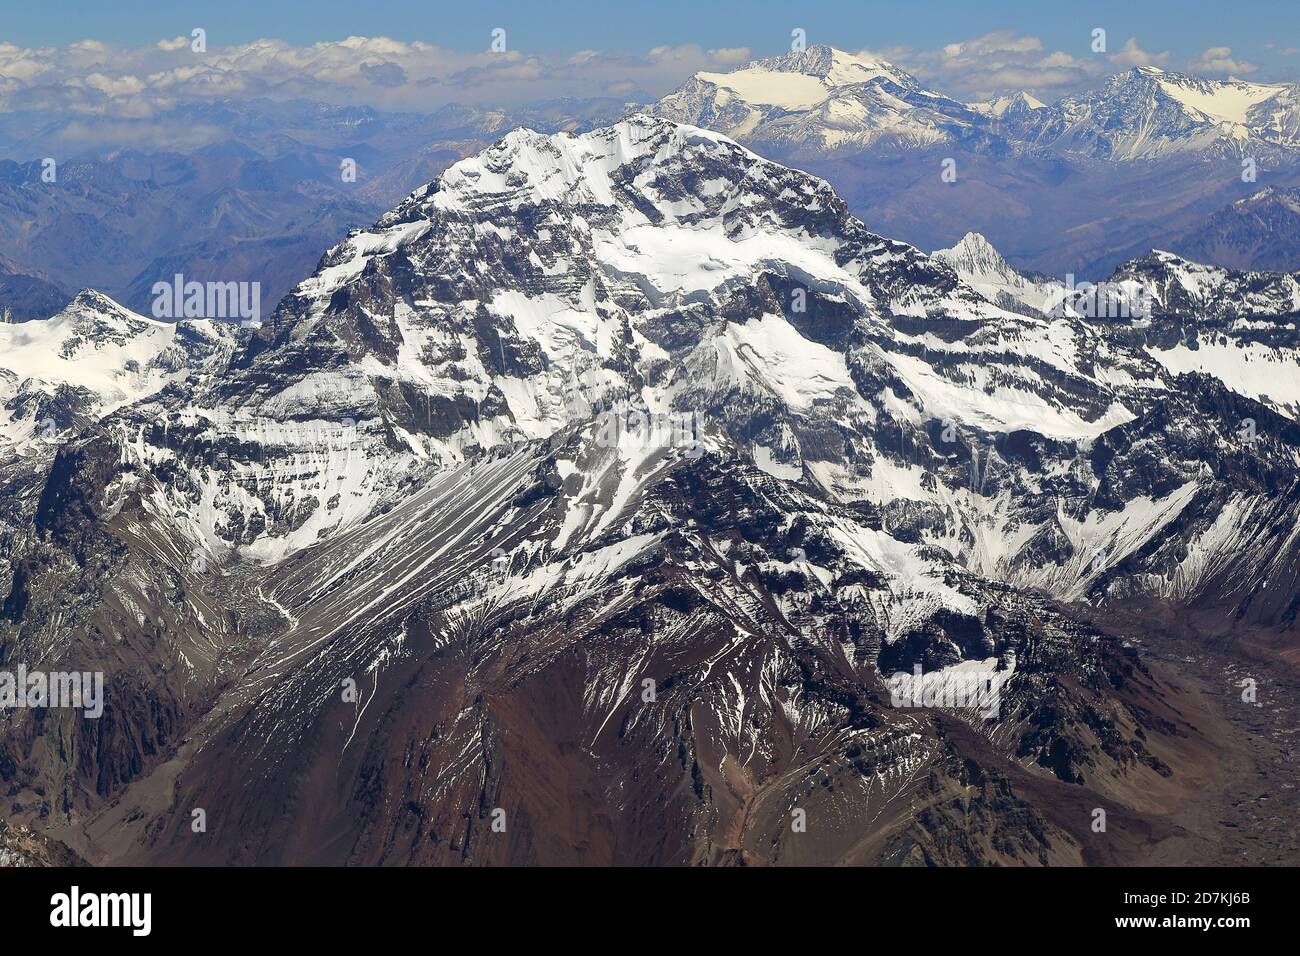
x=93 y=298
x=552 y=166
x=975 y=240
x=93 y=303
x=1148 y=113
x=836 y=69
x=976 y=252
x=90 y=358
x=1288 y=198
x=1018 y=102
x=821 y=99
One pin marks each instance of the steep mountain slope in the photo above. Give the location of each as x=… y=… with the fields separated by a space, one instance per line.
x=1211 y=294
x=19 y=846
x=26 y=294
x=638 y=405
x=246 y=190
x=1239 y=327
x=984 y=269
x=514 y=690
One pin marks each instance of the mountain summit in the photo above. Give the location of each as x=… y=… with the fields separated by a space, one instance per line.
x=821 y=100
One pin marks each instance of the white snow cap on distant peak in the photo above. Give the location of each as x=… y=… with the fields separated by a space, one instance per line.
x=973 y=254
x=804 y=78
x=1013 y=101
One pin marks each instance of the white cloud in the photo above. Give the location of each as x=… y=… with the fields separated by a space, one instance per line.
x=1005 y=61
x=1219 y=61
x=731 y=54
x=999 y=62
x=93 y=77
x=1131 y=54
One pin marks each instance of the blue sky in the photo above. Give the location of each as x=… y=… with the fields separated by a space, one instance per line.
x=129 y=58
x=564 y=26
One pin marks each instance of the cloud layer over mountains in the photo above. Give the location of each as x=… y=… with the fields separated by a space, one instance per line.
x=93 y=78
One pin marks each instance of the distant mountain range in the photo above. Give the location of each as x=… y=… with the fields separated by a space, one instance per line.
x=122 y=222
x=250 y=192
x=1147 y=113
x=822 y=101
x=1077 y=186
x=1261 y=231
x=27 y=294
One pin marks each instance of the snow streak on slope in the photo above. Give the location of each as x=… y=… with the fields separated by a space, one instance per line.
x=1147 y=113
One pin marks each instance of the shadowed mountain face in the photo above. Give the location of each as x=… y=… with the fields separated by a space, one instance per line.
x=1050 y=214
x=26 y=294
x=1258 y=232
x=223 y=214
x=621 y=498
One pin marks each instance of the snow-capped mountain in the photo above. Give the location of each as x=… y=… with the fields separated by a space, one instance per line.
x=58 y=375
x=1148 y=113
x=618 y=482
x=984 y=269
x=821 y=100
x=1213 y=295
x=1157 y=151
x=448 y=329
x=1239 y=327
x=1009 y=106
